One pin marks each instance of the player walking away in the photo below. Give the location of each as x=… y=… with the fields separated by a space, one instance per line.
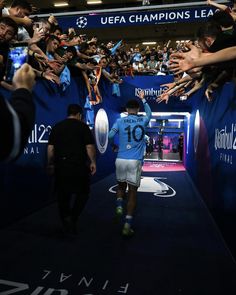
x=131 y=131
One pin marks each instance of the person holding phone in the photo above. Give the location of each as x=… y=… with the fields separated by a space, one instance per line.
x=17 y=56
x=17 y=115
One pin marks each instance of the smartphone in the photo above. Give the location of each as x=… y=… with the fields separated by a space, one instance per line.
x=17 y=56
x=38 y=26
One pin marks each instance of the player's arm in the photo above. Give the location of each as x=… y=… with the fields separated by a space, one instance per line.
x=113 y=132
x=147 y=108
x=111 y=136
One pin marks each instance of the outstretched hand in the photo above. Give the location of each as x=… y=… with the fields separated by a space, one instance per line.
x=168 y=85
x=180 y=63
x=184 y=61
x=51 y=76
x=163 y=97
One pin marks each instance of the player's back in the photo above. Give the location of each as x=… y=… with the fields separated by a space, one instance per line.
x=131 y=137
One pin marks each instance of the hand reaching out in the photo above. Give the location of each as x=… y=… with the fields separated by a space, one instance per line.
x=168 y=85
x=209 y=91
x=50 y=76
x=181 y=63
x=184 y=61
x=163 y=97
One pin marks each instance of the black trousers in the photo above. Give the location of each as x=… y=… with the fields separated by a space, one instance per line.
x=72 y=187
x=71 y=204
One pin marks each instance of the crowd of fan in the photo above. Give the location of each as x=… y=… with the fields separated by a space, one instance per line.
x=55 y=54
x=209 y=61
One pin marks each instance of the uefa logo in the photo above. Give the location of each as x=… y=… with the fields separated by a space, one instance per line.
x=81 y=22
x=157 y=186
x=101 y=130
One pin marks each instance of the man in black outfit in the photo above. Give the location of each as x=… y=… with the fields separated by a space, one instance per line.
x=17 y=115
x=72 y=152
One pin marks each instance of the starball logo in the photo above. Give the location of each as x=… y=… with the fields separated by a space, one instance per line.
x=225 y=142
x=150 y=93
x=154 y=185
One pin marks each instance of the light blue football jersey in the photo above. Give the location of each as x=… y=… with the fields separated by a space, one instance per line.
x=131 y=131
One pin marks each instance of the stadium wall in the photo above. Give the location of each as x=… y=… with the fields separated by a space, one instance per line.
x=210 y=161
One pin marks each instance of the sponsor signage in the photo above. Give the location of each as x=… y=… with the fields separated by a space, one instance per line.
x=137 y=18
x=38 y=138
x=225 y=142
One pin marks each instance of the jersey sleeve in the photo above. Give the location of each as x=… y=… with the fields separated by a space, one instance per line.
x=148 y=111
x=113 y=131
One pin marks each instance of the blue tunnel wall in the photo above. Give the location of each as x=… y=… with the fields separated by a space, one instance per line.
x=210 y=161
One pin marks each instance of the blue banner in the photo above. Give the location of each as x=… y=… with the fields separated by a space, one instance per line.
x=153 y=86
x=137 y=18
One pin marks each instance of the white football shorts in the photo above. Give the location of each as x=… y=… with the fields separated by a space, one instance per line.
x=128 y=171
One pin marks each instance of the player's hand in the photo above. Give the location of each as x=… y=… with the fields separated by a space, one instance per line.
x=141 y=95
x=24 y=78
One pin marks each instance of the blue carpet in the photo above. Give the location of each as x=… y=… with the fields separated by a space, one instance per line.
x=176 y=249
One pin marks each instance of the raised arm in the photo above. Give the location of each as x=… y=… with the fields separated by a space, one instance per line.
x=217 y=5
x=186 y=63
x=147 y=108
